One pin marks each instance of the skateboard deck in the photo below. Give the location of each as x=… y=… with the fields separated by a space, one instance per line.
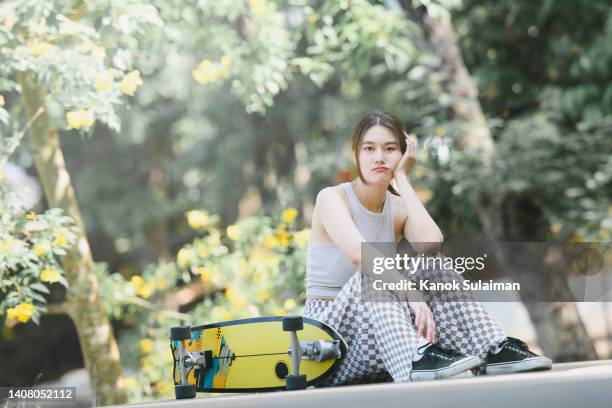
x=251 y=355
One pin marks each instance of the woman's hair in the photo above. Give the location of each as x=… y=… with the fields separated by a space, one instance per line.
x=391 y=122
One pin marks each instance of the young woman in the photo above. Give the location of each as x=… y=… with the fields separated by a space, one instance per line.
x=401 y=339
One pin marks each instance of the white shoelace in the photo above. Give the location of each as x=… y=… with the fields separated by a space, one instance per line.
x=420 y=350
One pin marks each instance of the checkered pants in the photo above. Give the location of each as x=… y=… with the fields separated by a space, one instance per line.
x=381 y=334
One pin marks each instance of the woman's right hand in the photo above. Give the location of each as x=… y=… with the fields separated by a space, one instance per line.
x=424 y=320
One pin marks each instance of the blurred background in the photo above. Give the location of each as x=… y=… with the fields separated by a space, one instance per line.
x=159 y=162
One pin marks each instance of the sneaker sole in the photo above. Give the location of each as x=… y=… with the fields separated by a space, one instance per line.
x=530 y=364
x=455 y=368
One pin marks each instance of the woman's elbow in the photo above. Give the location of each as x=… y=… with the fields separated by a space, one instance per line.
x=355 y=260
x=431 y=247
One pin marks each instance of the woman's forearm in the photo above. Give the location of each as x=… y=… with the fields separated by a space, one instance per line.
x=420 y=229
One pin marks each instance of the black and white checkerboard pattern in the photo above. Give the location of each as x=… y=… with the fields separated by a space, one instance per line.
x=382 y=337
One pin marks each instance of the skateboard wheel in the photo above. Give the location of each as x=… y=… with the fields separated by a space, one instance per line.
x=293 y=323
x=296 y=382
x=180 y=333
x=185 y=391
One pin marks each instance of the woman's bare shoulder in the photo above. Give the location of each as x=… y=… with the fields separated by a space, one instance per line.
x=327 y=201
x=328 y=194
x=337 y=189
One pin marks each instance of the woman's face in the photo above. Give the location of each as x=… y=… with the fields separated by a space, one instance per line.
x=379 y=154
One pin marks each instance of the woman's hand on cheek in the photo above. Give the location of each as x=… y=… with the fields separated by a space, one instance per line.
x=408 y=160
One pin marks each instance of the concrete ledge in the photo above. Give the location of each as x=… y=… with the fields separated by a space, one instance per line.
x=571 y=385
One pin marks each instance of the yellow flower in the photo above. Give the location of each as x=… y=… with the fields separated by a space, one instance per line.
x=226 y=60
x=197 y=219
x=42 y=248
x=60 y=240
x=136 y=282
x=22 y=312
x=258 y=7
x=204 y=273
x=38 y=49
x=183 y=257
x=1 y=100
x=104 y=81
x=202 y=250
x=233 y=232
x=440 y=131
x=289 y=304
x=163 y=388
x=235 y=296
x=262 y=295
x=10 y=316
x=6 y=246
x=301 y=237
x=577 y=237
x=79 y=119
x=205 y=72
x=283 y=238
x=11 y=244
x=141 y=288
x=31 y=216
x=50 y=275
x=128 y=383
x=227 y=315
x=208 y=71
x=214 y=239
x=62 y=230
x=289 y=215
x=146 y=345
x=271 y=242
x=160 y=284
x=280 y=312
x=130 y=82
x=145 y=290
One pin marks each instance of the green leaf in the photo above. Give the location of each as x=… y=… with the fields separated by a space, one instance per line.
x=40 y=287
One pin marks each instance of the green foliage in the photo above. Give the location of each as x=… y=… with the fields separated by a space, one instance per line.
x=525 y=53
x=254 y=268
x=31 y=246
x=574 y=172
x=349 y=37
x=258 y=99
x=65 y=52
x=542 y=70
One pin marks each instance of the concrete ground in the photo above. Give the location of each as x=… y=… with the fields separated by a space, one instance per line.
x=571 y=385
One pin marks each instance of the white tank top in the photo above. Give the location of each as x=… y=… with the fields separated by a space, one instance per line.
x=327 y=269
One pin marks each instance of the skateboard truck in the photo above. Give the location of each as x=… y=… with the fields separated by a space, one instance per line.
x=295 y=380
x=320 y=350
x=187 y=361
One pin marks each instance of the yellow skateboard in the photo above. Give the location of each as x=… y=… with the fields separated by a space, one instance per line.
x=252 y=355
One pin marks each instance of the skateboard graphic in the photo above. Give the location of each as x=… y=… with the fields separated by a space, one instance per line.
x=255 y=354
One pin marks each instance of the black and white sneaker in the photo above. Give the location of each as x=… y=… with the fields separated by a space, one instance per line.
x=436 y=362
x=513 y=356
